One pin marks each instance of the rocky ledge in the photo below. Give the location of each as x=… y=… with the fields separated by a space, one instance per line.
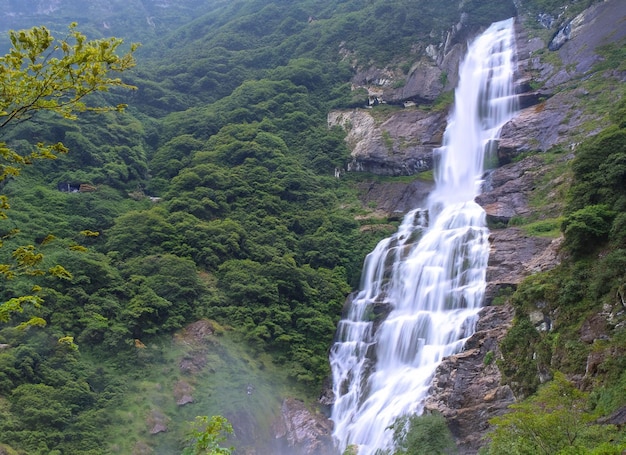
x=401 y=144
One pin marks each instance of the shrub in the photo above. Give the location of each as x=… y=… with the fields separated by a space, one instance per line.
x=586 y=227
x=554 y=421
x=427 y=434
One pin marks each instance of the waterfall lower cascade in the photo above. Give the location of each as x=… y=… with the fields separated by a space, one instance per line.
x=422 y=288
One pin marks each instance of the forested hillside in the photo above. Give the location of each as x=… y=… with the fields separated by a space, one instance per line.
x=214 y=197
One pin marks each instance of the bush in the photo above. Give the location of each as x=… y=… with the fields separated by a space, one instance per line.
x=427 y=434
x=586 y=227
x=554 y=421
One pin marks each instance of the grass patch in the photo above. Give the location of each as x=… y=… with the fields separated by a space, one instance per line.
x=441 y=103
x=550 y=228
x=426 y=176
x=503 y=295
x=387 y=140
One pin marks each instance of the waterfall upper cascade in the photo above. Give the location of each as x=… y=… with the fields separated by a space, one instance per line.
x=422 y=288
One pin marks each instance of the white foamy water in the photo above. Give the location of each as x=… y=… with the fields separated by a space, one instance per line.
x=422 y=287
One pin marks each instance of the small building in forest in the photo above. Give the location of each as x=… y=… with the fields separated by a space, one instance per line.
x=68 y=187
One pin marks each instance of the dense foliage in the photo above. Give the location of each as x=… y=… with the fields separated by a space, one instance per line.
x=207 y=436
x=555 y=421
x=427 y=434
x=43 y=74
x=247 y=229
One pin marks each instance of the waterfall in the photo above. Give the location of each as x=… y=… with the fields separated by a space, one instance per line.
x=422 y=288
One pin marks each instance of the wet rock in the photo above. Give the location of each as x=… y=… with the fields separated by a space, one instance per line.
x=327 y=397
x=305 y=432
x=467 y=388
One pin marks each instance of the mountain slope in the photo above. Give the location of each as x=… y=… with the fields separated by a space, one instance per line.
x=217 y=198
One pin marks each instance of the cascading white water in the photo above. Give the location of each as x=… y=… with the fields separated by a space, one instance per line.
x=423 y=287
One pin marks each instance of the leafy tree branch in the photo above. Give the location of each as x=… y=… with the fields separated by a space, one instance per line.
x=43 y=73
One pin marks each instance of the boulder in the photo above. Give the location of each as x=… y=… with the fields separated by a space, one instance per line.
x=157 y=421
x=305 y=432
x=183 y=393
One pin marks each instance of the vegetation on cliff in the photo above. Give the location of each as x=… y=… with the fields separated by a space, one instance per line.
x=581 y=306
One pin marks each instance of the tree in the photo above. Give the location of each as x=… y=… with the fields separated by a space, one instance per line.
x=554 y=421
x=207 y=435
x=43 y=74
x=426 y=434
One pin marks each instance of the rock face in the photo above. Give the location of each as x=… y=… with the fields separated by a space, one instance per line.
x=400 y=145
x=435 y=72
x=393 y=198
x=305 y=432
x=467 y=388
x=557 y=111
x=506 y=190
x=514 y=256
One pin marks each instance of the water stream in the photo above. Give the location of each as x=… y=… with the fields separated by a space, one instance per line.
x=422 y=288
